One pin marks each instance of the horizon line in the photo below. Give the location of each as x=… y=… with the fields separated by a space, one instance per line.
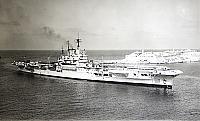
x=99 y=49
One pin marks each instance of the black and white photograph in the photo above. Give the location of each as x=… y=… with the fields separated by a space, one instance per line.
x=100 y=60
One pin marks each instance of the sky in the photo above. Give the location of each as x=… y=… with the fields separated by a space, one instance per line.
x=102 y=24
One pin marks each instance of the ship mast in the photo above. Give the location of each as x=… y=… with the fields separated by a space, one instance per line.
x=78 y=40
x=68 y=49
x=62 y=52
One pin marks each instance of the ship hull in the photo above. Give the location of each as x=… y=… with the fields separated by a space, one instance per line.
x=154 y=82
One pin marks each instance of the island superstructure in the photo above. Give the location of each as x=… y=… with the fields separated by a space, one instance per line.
x=76 y=65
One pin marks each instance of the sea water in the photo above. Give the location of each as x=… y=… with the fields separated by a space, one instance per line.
x=25 y=96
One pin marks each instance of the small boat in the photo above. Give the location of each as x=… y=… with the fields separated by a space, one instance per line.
x=76 y=65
